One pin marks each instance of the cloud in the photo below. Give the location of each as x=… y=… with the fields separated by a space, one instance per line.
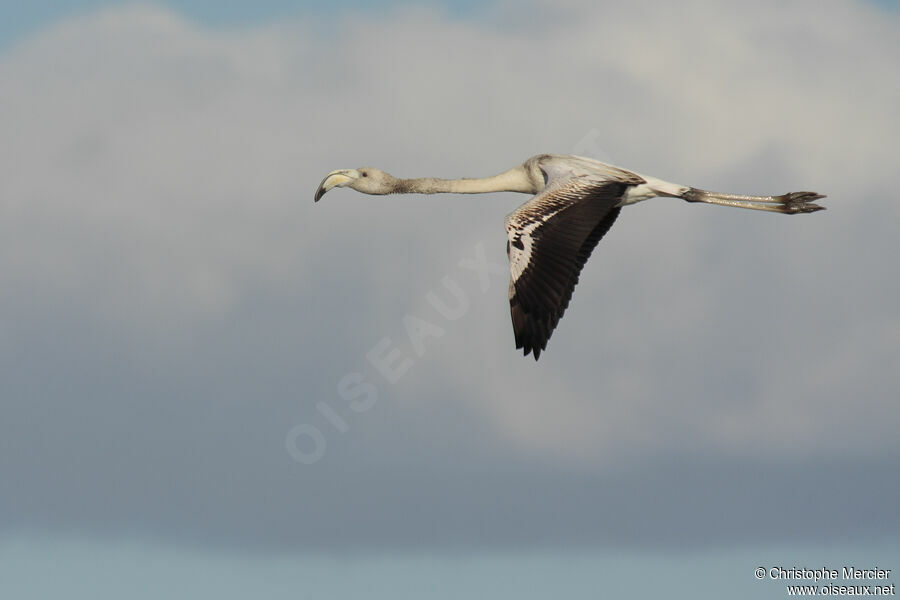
x=175 y=303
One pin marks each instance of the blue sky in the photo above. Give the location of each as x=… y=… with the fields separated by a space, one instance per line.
x=179 y=320
x=23 y=18
x=140 y=571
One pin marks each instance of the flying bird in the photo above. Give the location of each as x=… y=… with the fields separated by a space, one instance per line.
x=550 y=237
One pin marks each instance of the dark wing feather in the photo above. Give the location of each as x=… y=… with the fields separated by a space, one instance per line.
x=551 y=237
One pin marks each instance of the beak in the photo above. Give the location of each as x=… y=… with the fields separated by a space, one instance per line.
x=339 y=178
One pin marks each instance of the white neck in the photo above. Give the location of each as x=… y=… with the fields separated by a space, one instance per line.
x=514 y=180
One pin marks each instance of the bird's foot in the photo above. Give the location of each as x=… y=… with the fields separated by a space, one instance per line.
x=799 y=202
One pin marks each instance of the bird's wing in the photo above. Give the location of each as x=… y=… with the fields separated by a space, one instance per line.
x=550 y=237
x=563 y=166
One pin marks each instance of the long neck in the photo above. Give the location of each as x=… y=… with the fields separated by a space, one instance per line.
x=514 y=180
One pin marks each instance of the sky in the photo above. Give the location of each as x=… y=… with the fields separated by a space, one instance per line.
x=202 y=371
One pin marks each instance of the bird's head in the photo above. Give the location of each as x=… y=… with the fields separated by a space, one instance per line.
x=367 y=180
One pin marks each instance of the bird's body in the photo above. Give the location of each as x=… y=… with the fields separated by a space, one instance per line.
x=550 y=237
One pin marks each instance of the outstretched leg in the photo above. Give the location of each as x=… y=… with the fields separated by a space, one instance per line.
x=789 y=204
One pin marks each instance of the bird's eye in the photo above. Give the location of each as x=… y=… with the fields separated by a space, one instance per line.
x=364 y=174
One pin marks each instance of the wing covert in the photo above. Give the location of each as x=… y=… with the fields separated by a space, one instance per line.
x=549 y=240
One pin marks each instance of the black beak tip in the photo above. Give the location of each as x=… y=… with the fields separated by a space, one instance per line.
x=319 y=193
